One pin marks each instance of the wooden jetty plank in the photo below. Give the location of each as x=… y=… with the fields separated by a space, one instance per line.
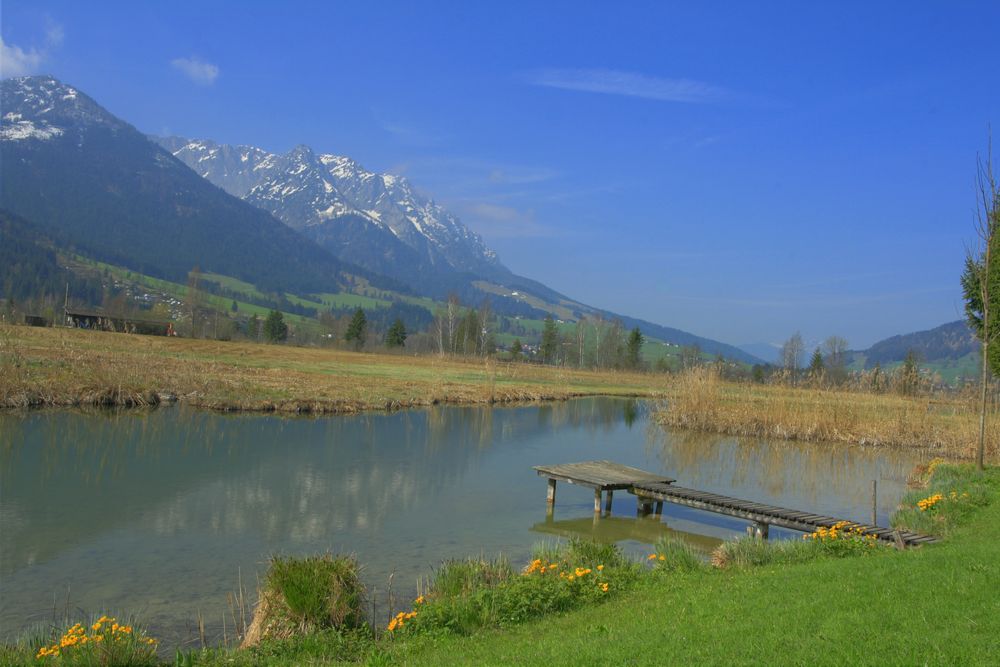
x=605 y=475
x=653 y=489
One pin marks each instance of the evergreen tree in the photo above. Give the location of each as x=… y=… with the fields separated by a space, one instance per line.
x=633 y=348
x=516 y=350
x=816 y=365
x=550 y=341
x=234 y=308
x=275 y=329
x=396 y=336
x=909 y=374
x=357 y=330
x=253 y=327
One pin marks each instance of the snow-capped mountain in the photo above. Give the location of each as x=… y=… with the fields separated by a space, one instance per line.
x=376 y=220
x=92 y=181
x=40 y=108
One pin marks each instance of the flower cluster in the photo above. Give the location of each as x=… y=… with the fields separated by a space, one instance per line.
x=105 y=631
x=654 y=557
x=842 y=530
x=400 y=619
x=538 y=566
x=930 y=501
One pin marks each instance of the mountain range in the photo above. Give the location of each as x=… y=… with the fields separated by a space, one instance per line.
x=93 y=181
x=300 y=222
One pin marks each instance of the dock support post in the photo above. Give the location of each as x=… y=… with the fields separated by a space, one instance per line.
x=550 y=496
x=597 y=500
x=757 y=530
x=607 y=500
x=659 y=508
x=874 y=502
x=643 y=507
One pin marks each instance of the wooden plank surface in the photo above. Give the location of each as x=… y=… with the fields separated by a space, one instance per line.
x=762 y=512
x=605 y=475
x=608 y=476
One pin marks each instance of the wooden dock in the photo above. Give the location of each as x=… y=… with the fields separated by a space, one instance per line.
x=602 y=476
x=652 y=489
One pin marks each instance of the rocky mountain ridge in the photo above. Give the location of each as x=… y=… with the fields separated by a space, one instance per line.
x=376 y=220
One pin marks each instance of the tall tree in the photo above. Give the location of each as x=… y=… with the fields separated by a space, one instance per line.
x=193 y=298
x=452 y=314
x=357 y=330
x=690 y=356
x=633 y=349
x=275 y=329
x=516 y=350
x=396 y=336
x=581 y=339
x=816 y=366
x=550 y=341
x=836 y=358
x=909 y=373
x=791 y=354
x=981 y=282
x=487 y=344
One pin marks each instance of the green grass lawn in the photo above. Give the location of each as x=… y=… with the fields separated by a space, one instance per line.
x=934 y=605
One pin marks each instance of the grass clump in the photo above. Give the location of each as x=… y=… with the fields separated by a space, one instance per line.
x=467 y=596
x=674 y=555
x=946 y=497
x=301 y=596
x=461 y=577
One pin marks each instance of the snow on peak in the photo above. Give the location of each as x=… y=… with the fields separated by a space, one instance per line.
x=17 y=130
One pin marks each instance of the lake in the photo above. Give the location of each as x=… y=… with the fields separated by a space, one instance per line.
x=160 y=514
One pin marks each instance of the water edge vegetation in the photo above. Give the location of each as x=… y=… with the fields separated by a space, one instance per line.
x=835 y=597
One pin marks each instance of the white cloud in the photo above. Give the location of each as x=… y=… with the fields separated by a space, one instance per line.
x=630 y=84
x=54 y=34
x=202 y=73
x=495 y=221
x=15 y=61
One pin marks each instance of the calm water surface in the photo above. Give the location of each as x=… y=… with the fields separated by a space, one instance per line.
x=158 y=514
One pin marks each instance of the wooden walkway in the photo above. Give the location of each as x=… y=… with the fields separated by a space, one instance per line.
x=606 y=476
x=762 y=515
x=652 y=489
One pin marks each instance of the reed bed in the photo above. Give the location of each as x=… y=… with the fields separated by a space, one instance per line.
x=700 y=399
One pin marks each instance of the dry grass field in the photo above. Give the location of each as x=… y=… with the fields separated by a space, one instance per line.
x=72 y=367
x=949 y=425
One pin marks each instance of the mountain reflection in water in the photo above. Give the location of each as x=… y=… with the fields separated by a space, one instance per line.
x=160 y=513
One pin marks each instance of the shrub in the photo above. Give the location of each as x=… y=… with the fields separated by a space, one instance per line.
x=303 y=595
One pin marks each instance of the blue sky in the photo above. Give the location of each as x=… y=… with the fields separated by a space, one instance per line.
x=737 y=170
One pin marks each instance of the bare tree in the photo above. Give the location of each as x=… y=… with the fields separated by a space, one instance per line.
x=836 y=358
x=791 y=354
x=598 y=322
x=581 y=338
x=486 y=327
x=439 y=329
x=454 y=308
x=980 y=282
